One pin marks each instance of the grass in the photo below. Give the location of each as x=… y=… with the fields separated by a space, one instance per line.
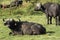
x=41 y=19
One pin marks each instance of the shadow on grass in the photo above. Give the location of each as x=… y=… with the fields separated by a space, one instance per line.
x=50 y=33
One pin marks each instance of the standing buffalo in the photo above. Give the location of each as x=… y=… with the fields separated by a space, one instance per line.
x=51 y=10
x=24 y=27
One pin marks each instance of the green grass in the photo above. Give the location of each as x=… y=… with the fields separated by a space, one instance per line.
x=41 y=19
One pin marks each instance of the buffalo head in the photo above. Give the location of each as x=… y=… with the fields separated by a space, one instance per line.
x=9 y=22
x=39 y=7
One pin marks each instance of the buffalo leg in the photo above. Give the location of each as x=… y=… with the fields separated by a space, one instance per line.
x=57 y=20
x=47 y=19
x=11 y=33
x=50 y=20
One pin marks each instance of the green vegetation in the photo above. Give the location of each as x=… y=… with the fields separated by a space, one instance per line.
x=26 y=13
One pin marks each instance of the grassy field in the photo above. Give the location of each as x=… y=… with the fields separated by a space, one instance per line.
x=26 y=13
x=53 y=31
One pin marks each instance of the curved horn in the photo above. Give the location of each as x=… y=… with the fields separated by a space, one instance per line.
x=4 y=19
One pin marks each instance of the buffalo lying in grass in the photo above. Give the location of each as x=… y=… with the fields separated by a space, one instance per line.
x=51 y=10
x=16 y=3
x=12 y=4
x=24 y=27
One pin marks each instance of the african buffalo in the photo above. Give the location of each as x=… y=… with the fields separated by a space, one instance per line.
x=51 y=10
x=16 y=3
x=24 y=27
x=12 y=4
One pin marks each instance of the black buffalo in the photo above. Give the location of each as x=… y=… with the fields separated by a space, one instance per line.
x=16 y=3
x=24 y=27
x=12 y=4
x=51 y=10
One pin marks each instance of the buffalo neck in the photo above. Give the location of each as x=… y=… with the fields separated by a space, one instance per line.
x=42 y=8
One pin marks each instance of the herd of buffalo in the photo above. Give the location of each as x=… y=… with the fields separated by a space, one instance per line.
x=30 y=28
